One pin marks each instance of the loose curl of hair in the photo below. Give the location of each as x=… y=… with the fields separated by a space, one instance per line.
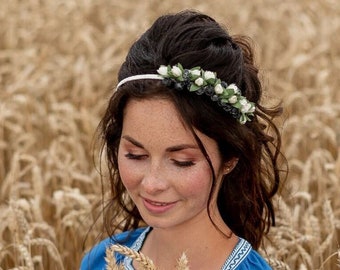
x=194 y=39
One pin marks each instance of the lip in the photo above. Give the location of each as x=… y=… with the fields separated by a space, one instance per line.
x=156 y=207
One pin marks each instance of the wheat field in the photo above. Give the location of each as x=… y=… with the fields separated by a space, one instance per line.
x=58 y=62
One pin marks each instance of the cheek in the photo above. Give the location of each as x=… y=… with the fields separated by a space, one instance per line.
x=130 y=177
x=197 y=184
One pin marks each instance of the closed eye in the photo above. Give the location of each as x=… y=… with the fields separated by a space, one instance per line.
x=183 y=163
x=136 y=157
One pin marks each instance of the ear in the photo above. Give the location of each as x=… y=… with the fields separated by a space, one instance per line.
x=230 y=165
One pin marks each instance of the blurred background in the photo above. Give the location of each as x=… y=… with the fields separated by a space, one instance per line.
x=58 y=63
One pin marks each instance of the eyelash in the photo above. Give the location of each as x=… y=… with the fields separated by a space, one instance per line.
x=136 y=157
x=176 y=162
x=183 y=163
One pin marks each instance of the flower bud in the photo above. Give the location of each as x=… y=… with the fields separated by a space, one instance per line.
x=252 y=109
x=195 y=72
x=176 y=71
x=163 y=70
x=245 y=108
x=218 y=89
x=234 y=87
x=209 y=75
x=232 y=99
x=199 y=81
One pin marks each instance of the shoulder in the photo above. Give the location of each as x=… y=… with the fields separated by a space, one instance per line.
x=244 y=257
x=254 y=261
x=95 y=258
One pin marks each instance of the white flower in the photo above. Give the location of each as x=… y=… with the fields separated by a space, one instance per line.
x=232 y=99
x=245 y=108
x=195 y=72
x=243 y=101
x=218 y=89
x=235 y=88
x=163 y=70
x=252 y=109
x=176 y=71
x=209 y=75
x=199 y=81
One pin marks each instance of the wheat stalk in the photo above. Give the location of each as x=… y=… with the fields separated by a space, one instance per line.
x=337 y=254
x=20 y=268
x=329 y=221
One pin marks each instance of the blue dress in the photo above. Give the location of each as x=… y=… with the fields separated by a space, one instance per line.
x=243 y=257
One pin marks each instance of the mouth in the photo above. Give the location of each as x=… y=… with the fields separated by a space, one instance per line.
x=156 y=207
x=157 y=203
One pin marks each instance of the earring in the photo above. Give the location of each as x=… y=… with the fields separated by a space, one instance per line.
x=227 y=170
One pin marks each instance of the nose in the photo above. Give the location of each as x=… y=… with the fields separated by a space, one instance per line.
x=155 y=180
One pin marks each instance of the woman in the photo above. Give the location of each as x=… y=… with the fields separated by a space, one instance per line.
x=191 y=167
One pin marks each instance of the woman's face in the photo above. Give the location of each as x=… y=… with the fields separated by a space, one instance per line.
x=162 y=167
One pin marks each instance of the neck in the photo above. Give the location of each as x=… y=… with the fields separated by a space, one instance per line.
x=203 y=244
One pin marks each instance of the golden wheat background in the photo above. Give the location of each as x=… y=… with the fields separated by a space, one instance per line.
x=58 y=59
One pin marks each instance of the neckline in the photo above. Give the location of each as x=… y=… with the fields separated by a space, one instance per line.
x=238 y=254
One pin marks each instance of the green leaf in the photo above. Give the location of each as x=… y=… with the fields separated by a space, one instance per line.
x=210 y=81
x=194 y=77
x=237 y=105
x=194 y=87
x=225 y=95
x=218 y=81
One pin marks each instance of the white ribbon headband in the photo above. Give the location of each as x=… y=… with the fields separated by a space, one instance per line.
x=139 y=77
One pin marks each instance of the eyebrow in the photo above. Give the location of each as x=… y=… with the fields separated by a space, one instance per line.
x=174 y=148
x=133 y=141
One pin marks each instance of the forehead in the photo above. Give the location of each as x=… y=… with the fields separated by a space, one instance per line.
x=157 y=123
x=151 y=115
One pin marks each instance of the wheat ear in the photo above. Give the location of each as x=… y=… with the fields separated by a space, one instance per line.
x=138 y=256
x=110 y=259
x=277 y=264
x=183 y=262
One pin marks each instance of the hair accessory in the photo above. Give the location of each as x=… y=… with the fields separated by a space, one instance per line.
x=197 y=80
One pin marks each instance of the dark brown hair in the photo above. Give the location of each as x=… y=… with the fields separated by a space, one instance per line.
x=194 y=39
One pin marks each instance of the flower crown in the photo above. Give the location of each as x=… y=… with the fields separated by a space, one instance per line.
x=197 y=80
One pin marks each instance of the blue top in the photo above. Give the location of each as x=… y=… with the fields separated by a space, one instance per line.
x=243 y=257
